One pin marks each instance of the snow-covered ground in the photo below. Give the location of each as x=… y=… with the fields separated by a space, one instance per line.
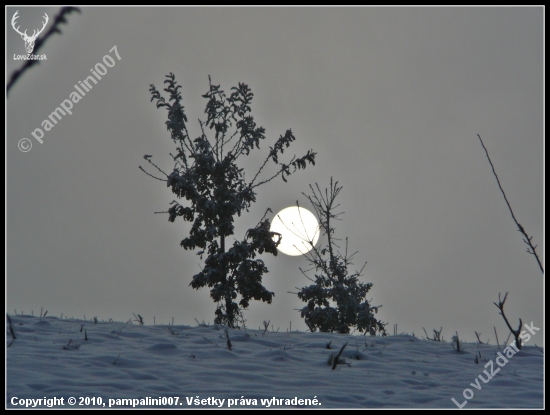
x=192 y=367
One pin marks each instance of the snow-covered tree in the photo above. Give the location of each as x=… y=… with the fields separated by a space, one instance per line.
x=336 y=299
x=213 y=189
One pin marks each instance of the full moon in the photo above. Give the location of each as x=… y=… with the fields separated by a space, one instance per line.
x=298 y=226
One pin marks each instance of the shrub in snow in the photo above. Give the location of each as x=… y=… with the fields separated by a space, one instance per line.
x=336 y=301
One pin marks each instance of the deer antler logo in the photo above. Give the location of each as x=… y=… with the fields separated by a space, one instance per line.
x=29 y=40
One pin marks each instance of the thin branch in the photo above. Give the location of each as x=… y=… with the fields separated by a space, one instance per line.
x=60 y=18
x=229 y=345
x=205 y=138
x=337 y=357
x=284 y=166
x=183 y=166
x=426 y=333
x=478 y=339
x=266 y=325
x=236 y=144
x=527 y=239
x=516 y=333
x=496 y=335
x=263 y=217
x=149 y=174
x=12 y=331
x=507 y=338
x=120 y=331
x=148 y=158
x=209 y=341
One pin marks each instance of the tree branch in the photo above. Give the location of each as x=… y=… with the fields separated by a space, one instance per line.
x=60 y=18
x=527 y=239
x=516 y=333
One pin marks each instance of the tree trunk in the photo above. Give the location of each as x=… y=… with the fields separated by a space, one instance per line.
x=228 y=299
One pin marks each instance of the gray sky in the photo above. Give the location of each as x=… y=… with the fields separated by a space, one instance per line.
x=391 y=99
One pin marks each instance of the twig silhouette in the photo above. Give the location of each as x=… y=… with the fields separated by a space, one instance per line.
x=527 y=239
x=335 y=361
x=60 y=18
x=516 y=333
x=12 y=331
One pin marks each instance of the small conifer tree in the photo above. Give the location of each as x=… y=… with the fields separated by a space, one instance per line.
x=336 y=299
x=207 y=177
